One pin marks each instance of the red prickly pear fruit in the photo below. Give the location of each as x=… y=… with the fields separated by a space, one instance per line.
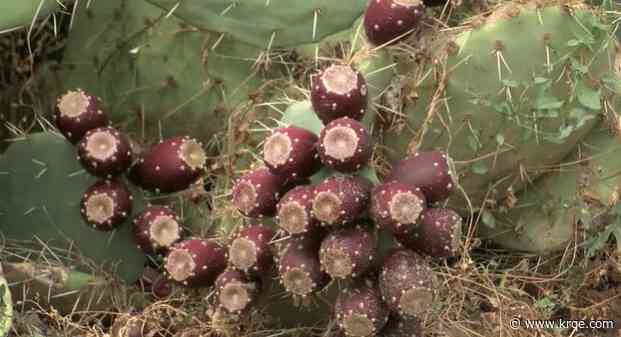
x=438 y=233
x=170 y=166
x=344 y=145
x=389 y=21
x=360 y=311
x=155 y=282
x=106 y=204
x=396 y=207
x=406 y=283
x=402 y=327
x=77 y=112
x=235 y=292
x=156 y=228
x=340 y=199
x=431 y=171
x=257 y=192
x=250 y=251
x=290 y=152
x=104 y=152
x=338 y=91
x=294 y=210
x=195 y=262
x=161 y=287
x=299 y=267
x=348 y=252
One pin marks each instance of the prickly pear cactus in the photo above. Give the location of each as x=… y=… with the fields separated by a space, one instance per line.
x=156 y=75
x=514 y=93
x=42 y=184
x=584 y=189
x=265 y=24
x=16 y=14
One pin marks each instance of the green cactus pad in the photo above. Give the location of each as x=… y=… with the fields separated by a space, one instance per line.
x=273 y=23
x=21 y=13
x=585 y=187
x=514 y=94
x=156 y=75
x=64 y=289
x=42 y=184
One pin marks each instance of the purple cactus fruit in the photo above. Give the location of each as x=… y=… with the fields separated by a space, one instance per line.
x=195 y=262
x=170 y=166
x=348 y=252
x=257 y=192
x=438 y=233
x=396 y=207
x=104 y=152
x=161 y=287
x=106 y=204
x=344 y=145
x=338 y=91
x=299 y=267
x=360 y=311
x=389 y=21
x=406 y=283
x=294 y=210
x=402 y=327
x=290 y=152
x=431 y=171
x=235 y=291
x=251 y=251
x=77 y=112
x=156 y=228
x=340 y=199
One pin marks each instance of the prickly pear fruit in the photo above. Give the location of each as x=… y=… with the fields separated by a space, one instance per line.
x=106 y=204
x=299 y=266
x=338 y=91
x=438 y=233
x=257 y=192
x=105 y=152
x=170 y=166
x=406 y=283
x=345 y=145
x=235 y=291
x=294 y=210
x=347 y=252
x=195 y=262
x=77 y=112
x=340 y=199
x=360 y=311
x=290 y=152
x=388 y=21
x=396 y=207
x=250 y=251
x=430 y=171
x=156 y=228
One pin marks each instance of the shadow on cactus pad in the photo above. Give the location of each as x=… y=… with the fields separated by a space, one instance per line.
x=42 y=184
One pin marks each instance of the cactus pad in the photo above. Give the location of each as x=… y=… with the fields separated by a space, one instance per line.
x=42 y=184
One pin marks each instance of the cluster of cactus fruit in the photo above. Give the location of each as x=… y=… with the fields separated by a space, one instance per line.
x=328 y=217
x=325 y=229
x=172 y=165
